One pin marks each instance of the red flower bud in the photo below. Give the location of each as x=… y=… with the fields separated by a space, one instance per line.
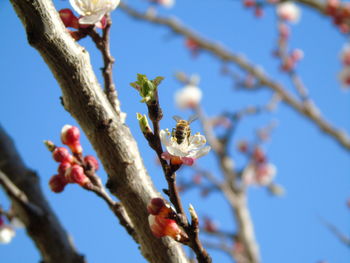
x=91 y=161
x=63 y=167
x=68 y=18
x=161 y=227
x=70 y=135
x=61 y=154
x=75 y=174
x=159 y=207
x=76 y=147
x=57 y=183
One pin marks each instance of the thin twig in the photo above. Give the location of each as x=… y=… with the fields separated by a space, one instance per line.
x=13 y=191
x=341 y=236
x=310 y=112
x=103 y=44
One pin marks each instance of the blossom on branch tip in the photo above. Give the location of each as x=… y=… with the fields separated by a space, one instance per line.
x=289 y=11
x=186 y=152
x=161 y=222
x=75 y=174
x=92 y=11
x=61 y=154
x=188 y=97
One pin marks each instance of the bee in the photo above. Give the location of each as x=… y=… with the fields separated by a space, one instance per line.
x=182 y=131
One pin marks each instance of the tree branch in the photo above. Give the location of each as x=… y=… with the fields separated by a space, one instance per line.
x=308 y=111
x=22 y=186
x=111 y=139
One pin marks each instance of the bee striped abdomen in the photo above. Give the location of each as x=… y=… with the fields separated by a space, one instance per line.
x=182 y=131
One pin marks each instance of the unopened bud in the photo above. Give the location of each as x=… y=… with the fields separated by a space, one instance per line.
x=50 y=145
x=70 y=135
x=91 y=161
x=63 y=167
x=61 y=154
x=57 y=183
x=76 y=174
x=143 y=122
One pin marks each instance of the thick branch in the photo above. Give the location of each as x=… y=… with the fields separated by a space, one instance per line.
x=29 y=204
x=310 y=112
x=112 y=140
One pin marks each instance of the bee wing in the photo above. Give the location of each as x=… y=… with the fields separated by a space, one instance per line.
x=192 y=118
x=177 y=118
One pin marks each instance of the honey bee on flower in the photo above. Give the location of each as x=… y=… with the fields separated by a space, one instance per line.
x=181 y=146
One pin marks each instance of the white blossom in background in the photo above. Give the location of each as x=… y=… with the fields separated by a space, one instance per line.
x=188 y=97
x=289 y=11
x=6 y=234
x=167 y=3
x=259 y=174
x=186 y=152
x=92 y=11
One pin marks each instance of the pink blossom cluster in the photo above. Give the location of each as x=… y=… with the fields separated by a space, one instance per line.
x=340 y=14
x=72 y=167
x=161 y=220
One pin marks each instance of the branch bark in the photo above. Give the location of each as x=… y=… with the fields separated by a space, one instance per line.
x=111 y=139
x=29 y=203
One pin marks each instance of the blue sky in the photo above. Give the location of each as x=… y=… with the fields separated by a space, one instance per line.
x=312 y=167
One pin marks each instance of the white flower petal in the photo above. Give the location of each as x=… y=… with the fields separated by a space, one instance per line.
x=92 y=19
x=6 y=234
x=201 y=152
x=188 y=97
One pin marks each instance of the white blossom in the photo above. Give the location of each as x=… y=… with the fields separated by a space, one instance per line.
x=188 y=97
x=289 y=11
x=189 y=150
x=167 y=3
x=92 y=11
x=6 y=234
x=259 y=174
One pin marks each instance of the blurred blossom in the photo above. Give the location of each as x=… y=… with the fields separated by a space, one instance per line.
x=92 y=11
x=188 y=97
x=289 y=11
x=345 y=55
x=6 y=234
x=259 y=174
x=344 y=77
x=165 y=3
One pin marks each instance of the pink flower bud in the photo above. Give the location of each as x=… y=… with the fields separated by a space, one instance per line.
x=75 y=174
x=258 y=155
x=161 y=227
x=243 y=146
x=210 y=226
x=76 y=148
x=91 y=161
x=249 y=3
x=297 y=55
x=63 y=167
x=258 y=12
x=159 y=207
x=2 y=222
x=68 y=18
x=57 y=183
x=61 y=154
x=70 y=135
